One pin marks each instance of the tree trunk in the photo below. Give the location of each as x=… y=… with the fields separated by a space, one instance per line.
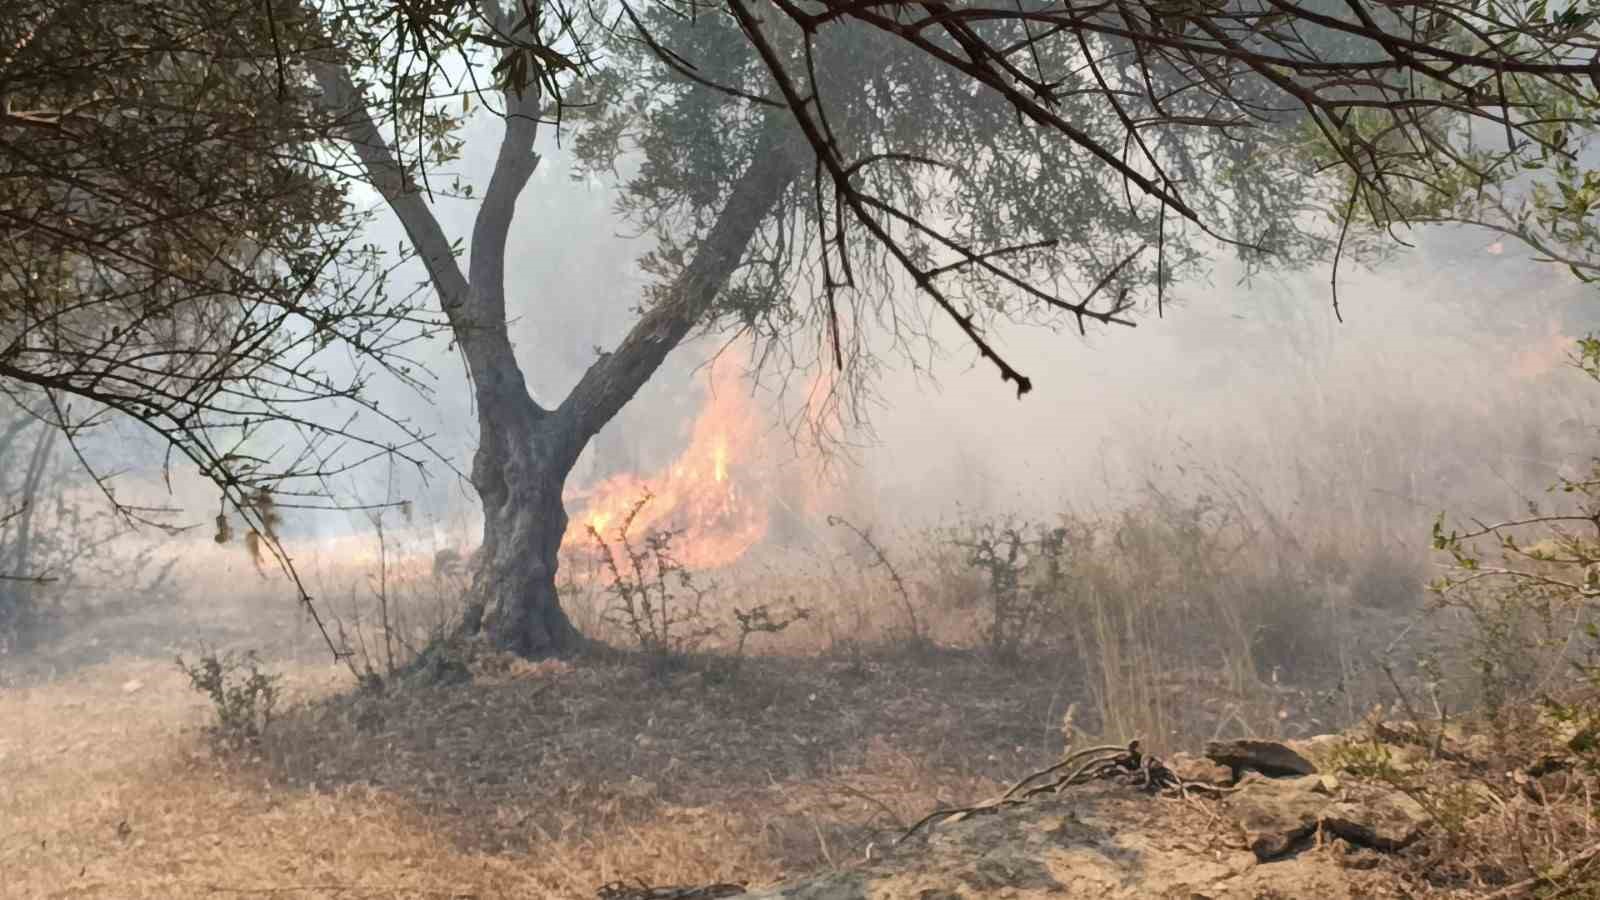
x=523 y=458
x=526 y=451
x=613 y=454
x=17 y=613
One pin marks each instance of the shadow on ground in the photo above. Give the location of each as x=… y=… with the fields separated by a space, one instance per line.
x=567 y=750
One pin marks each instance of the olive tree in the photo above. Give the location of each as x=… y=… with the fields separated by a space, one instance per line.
x=180 y=241
x=859 y=169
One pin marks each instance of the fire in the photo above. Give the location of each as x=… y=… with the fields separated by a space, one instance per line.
x=710 y=494
x=719 y=462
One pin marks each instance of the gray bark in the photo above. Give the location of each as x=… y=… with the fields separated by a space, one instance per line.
x=524 y=456
x=525 y=451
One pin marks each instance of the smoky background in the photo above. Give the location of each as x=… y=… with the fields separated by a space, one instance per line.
x=1444 y=390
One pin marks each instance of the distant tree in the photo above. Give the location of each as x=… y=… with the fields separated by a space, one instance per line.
x=62 y=556
x=21 y=485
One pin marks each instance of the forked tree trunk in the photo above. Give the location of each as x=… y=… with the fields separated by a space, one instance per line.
x=521 y=464
x=519 y=469
x=526 y=451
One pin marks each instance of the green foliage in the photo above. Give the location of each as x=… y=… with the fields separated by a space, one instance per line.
x=947 y=152
x=183 y=244
x=242 y=695
x=1575 y=718
x=1526 y=177
x=1527 y=587
x=1369 y=758
x=404 y=51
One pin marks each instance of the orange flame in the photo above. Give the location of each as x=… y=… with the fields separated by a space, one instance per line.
x=708 y=494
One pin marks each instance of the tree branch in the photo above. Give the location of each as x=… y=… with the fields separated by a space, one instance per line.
x=616 y=376
x=341 y=97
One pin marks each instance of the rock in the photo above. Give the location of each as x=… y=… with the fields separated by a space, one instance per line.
x=1318 y=749
x=1278 y=816
x=1450 y=741
x=1281 y=815
x=1197 y=768
x=132 y=687
x=1270 y=758
x=1389 y=822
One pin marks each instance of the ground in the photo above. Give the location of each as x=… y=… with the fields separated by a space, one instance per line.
x=531 y=780
x=536 y=780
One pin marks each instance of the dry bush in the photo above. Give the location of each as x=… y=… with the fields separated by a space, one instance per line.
x=1175 y=597
x=1195 y=590
x=653 y=597
x=1025 y=576
x=389 y=595
x=242 y=695
x=1504 y=722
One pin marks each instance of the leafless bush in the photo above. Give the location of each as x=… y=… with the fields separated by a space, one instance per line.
x=396 y=596
x=1024 y=567
x=759 y=619
x=652 y=597
x=914 y=629
x=242 y=695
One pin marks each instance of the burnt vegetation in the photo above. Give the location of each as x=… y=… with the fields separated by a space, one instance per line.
x=200 y=324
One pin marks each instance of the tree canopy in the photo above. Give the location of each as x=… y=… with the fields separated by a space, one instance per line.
x=176 y=248
x=974 y=150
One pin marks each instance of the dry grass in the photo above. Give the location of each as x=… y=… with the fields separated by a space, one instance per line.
x=547 y=781
x=1512 y=814
x=541 y=782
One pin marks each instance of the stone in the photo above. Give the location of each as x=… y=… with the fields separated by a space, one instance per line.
x=1389 y=821
x=1197 y=768
x=1271 y=758
x=1278 y=816
x=1318 y=749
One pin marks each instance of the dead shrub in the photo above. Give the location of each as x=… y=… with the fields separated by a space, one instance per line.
x=652 y=597
x=1026 y=567
x=241 y=694
x=1182 y=593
